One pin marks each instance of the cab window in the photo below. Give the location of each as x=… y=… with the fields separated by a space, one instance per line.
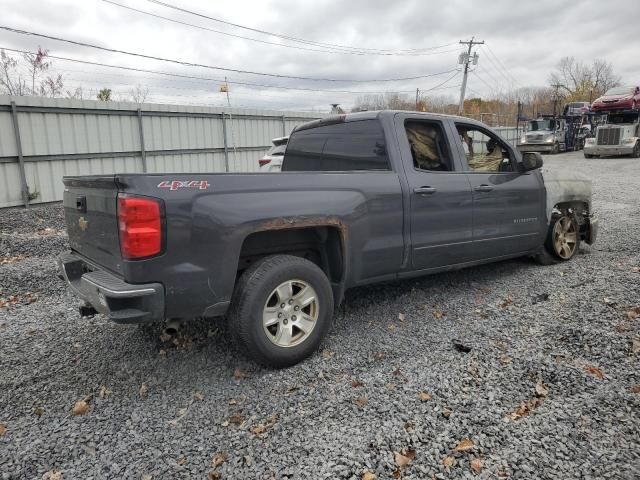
x=484 y=151
x=428 y=146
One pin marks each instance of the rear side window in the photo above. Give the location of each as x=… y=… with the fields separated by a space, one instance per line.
x=338 y=147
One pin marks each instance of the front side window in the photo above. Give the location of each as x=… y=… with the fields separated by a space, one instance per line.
x=484 y=152
x=337 y=147
x=428 y=146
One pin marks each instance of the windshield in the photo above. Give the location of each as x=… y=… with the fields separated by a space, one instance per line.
x=618 y=91
x=542 y=124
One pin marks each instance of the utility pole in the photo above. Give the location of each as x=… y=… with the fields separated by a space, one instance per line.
x=417 y=93
x=556 y=97
x=466 y=58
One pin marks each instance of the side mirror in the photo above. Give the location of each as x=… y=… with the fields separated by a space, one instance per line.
x=531 y=161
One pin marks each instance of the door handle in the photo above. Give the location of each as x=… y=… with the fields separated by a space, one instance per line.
x=483 y=188
x=424 y=190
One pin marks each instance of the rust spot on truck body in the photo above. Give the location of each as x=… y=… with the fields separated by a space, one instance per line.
x=283 y=223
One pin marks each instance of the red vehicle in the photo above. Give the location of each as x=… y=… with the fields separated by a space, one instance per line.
x=618 y=98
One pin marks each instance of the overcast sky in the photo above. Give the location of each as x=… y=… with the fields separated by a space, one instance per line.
x=524 y=41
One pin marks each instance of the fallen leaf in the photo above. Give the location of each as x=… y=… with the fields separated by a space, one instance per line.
x=218 y=459
x=199 y=396
x=446 y=412
x=392 y=327
x=403 y=459
x=438 y=314
x=232 y=401
x=379 y=355
x=408 y=427
x=525 y=408
x=464 y=445
x=448 y=462
x=236 y=419
x=81 y=407
x=39 y=411
x=247 y=460
x=397 y=372
x=326 y=353
x=401 y=317
x=52 y=475
x=213 y=475
x=239 y=374
x=506 y=302
x=182 y=412
x=390 y=386
x=3 y=429
x=502 y=474
x=356 y=383
x=143 y=390
x=476 y=465
x=361 y=402
x=634 y=389
x=147 y=477
x=162 y=352
x=633 y=313
x=182 y=461
x=541 y=389
x=595 y=371
x=367 y=475
x=259 y=429
x=506 y=359
x=424 y=396
x=608 y=301
x=635 y=345
x=165 y=337
x=104 y=392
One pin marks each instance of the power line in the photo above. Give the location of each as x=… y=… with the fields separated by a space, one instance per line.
x=296 y=47
x=504 y=69
x=288 y=37
x=195 y=77
x=212 y=67
x=211 y=79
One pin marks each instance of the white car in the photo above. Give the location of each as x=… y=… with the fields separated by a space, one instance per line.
x=272 y=160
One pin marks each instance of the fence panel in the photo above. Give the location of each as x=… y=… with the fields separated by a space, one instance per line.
x=70 y=137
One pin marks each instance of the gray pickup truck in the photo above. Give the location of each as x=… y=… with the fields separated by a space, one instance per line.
x=362 y=198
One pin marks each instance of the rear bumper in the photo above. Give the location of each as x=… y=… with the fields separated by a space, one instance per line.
x=535 y=147
x=122 y=302
x=608 y=149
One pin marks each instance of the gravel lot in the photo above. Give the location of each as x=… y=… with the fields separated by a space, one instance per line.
x=549 y=389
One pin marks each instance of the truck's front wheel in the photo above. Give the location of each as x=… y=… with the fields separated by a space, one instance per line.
x=281 y=310
x=563 y=240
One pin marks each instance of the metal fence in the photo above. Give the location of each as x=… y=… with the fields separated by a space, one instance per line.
x=41 y=140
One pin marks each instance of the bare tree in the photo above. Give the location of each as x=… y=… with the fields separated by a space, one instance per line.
x=577 y=80
x=11 y=80
x=139 y=94
x=37 y=65
x=77 y=94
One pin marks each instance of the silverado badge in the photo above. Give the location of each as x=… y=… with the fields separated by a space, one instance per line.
x=82 y=223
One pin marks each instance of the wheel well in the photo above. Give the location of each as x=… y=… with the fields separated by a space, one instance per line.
x=322 y=245
x=578 y=208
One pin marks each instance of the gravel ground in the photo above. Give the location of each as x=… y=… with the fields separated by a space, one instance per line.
x=549 y=389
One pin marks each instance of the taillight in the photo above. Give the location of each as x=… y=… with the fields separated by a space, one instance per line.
x=264 y=161
x=140 y=225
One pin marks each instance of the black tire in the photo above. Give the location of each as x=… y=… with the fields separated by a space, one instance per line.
x=636 y=150
x=556 y=148
x=588 y=155
x=549 y=254
x=256 y=287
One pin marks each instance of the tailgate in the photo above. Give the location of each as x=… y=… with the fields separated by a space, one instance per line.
x=90 y=204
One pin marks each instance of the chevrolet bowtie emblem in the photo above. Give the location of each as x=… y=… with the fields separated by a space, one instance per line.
x=82 y=223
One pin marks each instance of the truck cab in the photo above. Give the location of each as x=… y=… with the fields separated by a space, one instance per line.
x=619 y=135
x=545 y=135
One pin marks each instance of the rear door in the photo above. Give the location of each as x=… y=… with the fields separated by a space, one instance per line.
x=440 y=200
x=90 y=205
x=508 y=205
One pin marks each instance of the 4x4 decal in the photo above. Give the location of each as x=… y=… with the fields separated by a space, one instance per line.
x=176 y=184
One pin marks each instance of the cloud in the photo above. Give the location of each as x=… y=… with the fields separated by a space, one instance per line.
x=528 y=39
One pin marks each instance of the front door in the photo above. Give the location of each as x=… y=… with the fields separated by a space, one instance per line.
x=440 y=199
x=508 y=204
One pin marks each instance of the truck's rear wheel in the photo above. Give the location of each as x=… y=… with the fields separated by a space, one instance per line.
x=281 y=310
x=563 y=240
